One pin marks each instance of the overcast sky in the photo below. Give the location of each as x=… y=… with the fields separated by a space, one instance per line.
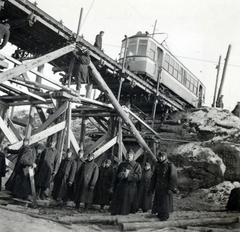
x=198 y=31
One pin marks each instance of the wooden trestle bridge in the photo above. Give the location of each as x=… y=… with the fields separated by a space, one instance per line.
x=40 y=39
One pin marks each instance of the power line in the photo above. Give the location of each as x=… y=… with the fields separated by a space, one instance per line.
x=87 y=13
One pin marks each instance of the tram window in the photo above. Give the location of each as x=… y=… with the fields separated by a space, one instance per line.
x=122 y=49
x=188 y=84
x=191 y=87
x=184 y=79
x=175 y=74
x=195 y=90
x=166 y=63
x=171 y=67
x=152 y=50
x=132 y=47
x=142 y=47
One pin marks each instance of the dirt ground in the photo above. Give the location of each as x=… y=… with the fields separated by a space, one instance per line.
x=209 y=204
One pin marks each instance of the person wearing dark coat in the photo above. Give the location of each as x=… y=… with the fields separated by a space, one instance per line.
x=164 y=182
x=2 y=168
x=80 y=70
x=47 y=166
x=104 y=187
x=129 y=172
x=4 y=34
x=85 y=182
x=98 y=40
x=19 y=181
x=144 y=199
x=64 y=178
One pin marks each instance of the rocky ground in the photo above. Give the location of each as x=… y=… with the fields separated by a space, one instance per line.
x=203 y=144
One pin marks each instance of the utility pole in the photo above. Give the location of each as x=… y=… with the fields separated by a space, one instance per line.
x=219 y=97
x=215 y=91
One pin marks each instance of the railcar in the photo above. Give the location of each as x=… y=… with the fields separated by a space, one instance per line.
x=144 y=56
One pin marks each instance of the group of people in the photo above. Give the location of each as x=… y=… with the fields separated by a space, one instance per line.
x=126 y=188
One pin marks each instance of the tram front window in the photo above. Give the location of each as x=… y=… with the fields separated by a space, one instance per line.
x=142 y=48
x=132 y=47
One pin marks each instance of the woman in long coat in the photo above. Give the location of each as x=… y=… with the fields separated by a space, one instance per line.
x=64 y=178
x=19 y=181
x=105 y=184
x=164 y=182
x=128 y=174
x=85 y=182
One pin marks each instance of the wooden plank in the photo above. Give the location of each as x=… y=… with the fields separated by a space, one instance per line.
x=14 y=130
x=105 y=147
x=22 y=68
x=138 y=153
x=3 y=64
x=9 y=135
x=98 y=143
x=74 y=142
x=9 y=163
x=54 y=116
x=93 y=121
x=34 y=195
x=41 y=135
x=25 y=92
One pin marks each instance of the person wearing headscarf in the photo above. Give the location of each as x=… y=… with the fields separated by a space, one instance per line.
x=19 y=181
x=85 y=181
x=47 y=166
x=64 y=178
x=144 y=199
x=128 y=173
x=164 y=182
x=104 y=187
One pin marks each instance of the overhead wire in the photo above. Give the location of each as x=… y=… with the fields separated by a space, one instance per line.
x=87 y=14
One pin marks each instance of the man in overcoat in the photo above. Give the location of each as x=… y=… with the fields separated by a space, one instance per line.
x=104 y=187
x=85 y=182
x=164 y=182
x=47 y=166
x=4 y=34
x=144 y=199
x=98 y=40
x=64 y=178
x=19 y=181
x=129 y=172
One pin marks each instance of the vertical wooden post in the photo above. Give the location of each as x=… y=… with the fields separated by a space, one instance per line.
x=156 y=98
x=82 y=134
x=224 y=73
x=119 y=139
x=215 y=91
x=3 y=113
x=28 y=131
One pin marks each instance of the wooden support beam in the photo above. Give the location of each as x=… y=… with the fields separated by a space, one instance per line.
x=16 y=71
x=119 y=139
x=101 y=124
x=138 y=153
x=102 y=84
x=74 y=142
x=98 y=143
x=9 y=135
x=41 y=113
x=29 y=127
x=41 y=135
x=53 y=117
x=14 y=130
x=105 y=147
x=93 y=121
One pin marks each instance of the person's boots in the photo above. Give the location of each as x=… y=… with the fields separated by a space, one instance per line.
x=42 y=195
x=77 y=206
x=64 y=205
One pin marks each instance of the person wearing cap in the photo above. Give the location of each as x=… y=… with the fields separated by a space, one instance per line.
x=98 y=40
x=164 y=182
x=19 y=182
x=85 y=181
x=47 y=166
x=128 y=173
x=64 y=178
x=104 y=187
x=144 y=199
x=4 y=34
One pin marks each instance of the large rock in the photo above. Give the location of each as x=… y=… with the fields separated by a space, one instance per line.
x=230 y=154
x=198 y=166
